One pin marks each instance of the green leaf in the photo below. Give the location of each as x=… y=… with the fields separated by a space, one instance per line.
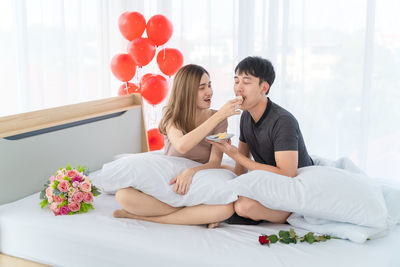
x=57 y=192
x=272 y=238
x=85 y=207
x=43 y=203
x=42 y=194
x=85 y=171
x=95 y=191
x=310 y=237
x=64 y=203
x=292 y=233
x=68 y=168
x=284 y=234
x=284 y=240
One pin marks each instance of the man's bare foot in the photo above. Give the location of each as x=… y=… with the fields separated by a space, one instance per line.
x=120 y=214
x=212 y=225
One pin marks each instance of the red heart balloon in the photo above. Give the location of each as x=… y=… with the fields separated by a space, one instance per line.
x=123 y=67
x=169 y=60
x=131 y=25
x=127 y=90
x=145 y=77
x=154 y=89
x=159 y=29
x=156 y=140
x=142 y=51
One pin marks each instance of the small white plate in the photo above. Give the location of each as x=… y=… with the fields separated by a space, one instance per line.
x=215 y=138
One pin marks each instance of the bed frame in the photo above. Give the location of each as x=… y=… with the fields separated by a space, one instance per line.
x=34 y=145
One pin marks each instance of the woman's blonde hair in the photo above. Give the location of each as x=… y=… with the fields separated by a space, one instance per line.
x=181 y=108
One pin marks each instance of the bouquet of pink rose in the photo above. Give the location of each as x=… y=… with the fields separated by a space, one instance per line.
x=69 y=192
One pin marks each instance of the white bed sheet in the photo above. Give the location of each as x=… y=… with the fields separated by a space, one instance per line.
x=98 y=239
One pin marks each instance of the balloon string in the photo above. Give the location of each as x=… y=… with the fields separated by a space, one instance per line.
x=155 y=117
x=148 y=119
x=137 y=75
x=153 y=122
x=126 y=88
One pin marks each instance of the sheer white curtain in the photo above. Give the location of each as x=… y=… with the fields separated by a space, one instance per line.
x=337 y=62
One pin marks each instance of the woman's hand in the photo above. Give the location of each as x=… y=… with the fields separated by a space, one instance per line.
x=230 y=108
x=182 y=181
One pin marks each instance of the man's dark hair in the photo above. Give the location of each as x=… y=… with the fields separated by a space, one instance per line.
x=257 y=67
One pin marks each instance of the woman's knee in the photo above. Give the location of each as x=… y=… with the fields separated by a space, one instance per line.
x=124 y=195
x=228 y=210
x=120 y=195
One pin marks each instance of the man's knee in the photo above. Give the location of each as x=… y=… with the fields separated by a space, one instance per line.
x=243 y=206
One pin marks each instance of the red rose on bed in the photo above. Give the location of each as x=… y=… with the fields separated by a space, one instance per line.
x=263 y=239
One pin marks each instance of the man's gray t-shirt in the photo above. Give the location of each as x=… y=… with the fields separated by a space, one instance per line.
x=277 y=130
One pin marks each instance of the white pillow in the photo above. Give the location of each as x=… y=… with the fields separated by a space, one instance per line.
x=391 y=194
x=318 y=191
x=151 y=174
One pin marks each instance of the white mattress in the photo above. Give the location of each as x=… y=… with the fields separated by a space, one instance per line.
x=98 y=239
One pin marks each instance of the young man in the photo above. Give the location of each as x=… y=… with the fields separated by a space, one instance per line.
x=269 y=132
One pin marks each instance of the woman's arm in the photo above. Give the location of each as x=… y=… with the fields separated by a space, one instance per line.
x=183 y=180
x=185 y=142
x=243 y=149
x=213 y=163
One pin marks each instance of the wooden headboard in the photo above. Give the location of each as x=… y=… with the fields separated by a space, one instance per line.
x=34 y=145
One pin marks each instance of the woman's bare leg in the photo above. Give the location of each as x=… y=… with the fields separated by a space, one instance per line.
x=200 y=214
x=228 y=167
x=139 y=203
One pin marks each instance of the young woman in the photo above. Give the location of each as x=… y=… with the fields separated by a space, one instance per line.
x=187 y=120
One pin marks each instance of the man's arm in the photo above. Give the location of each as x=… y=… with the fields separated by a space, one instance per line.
x=286 y=161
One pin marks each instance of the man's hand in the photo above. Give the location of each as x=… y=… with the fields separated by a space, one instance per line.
x=225 y=147
x=182 y=181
